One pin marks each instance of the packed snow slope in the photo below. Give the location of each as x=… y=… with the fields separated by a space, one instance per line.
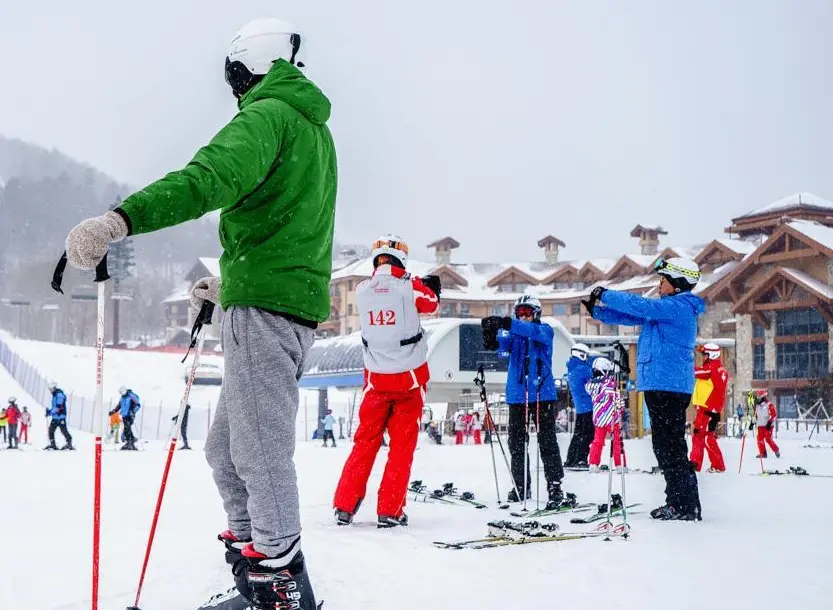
x=764 y=542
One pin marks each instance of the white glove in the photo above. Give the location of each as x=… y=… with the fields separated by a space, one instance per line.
x=205 y=289
x=90 y=239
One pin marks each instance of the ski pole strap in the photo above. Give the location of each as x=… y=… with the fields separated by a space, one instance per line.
x=101 y=274
x=480 y=381
x=203 y=319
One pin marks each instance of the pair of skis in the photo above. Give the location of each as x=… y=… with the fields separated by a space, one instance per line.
x=796 y=471
x=447 y=495
x=510 y=533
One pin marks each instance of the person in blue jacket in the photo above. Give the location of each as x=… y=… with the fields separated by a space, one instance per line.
x=58 y=412
x=129 y=405
x=579 y=372
x=530 y=392
x=665 y=371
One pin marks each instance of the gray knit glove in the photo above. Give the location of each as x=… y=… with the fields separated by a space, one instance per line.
x=90 y=239
x=205 y=289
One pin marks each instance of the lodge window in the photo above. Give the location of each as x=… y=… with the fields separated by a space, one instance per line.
x=562 y=285
x=757 y=330
x=806 y=360
x=575 y=308
x=499 y=309
x=465 y=310
x=559 y=309
x=799 y=322
x=447 y=310
x=758 y=362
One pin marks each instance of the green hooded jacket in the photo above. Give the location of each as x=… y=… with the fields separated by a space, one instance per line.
x=272 y=172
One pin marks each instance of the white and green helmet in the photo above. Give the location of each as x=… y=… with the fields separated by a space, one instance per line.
x=682 y=273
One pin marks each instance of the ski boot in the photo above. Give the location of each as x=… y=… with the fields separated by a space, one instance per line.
x=714 y=470
x=556 y=496
x=343 y=517
x=51 y=447
x=386 y=521
x=760 y=456
x=671 y=513
x=68 y=447
x=277 y=583
x=778 y=454
x=615 y=504
x=594 y=469
x=513 y=496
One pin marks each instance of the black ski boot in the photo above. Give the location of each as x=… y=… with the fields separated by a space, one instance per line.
x=68 y=447
x=278 y=583
x=556 y=496
x=51 y=447
x=343 y=517
x=239 y=596
x=615 y=504
x=513 y=496
x=388 y=521
x=671 y=513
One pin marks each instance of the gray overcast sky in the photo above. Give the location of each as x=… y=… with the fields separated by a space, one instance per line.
x=493 y=124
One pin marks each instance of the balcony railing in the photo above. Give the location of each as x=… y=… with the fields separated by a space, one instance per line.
x=791 y=372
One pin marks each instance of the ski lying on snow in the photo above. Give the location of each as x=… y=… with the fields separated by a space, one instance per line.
x=447 y=495
x=602 y=514
x=507 y=533
x=546 y=512
x=796 y=471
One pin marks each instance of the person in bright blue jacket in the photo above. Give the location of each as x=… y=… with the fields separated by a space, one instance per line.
x=579 y=372
x=665 y=371
x=530 y=392
x=129 y=405
x=58 y=412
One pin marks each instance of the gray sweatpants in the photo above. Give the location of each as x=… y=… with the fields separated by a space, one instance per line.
x=251 y=443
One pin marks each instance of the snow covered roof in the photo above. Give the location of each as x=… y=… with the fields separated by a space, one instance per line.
x=796 y=200
x=211 y=264
x=651 y=228
x=817 y=232
x=809 y=282
x=737 y=245
x=181 y=293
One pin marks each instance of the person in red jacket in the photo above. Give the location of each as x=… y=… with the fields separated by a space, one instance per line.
x=13 y=415
x=765 y=416
x=395 y=376
x=708 y=414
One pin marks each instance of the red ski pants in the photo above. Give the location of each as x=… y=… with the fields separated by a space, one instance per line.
x=458 y=437
x=24 y=433
x=400 y=413
x=599 y=442
x=704 y=438
x=764 y=439
x=476 y=435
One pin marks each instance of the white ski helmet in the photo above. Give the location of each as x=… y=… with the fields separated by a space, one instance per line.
x=711 y=350
x=12 y=400
x=682 y=273
x=122 y=390
x=256 y=47
x=580 y=351
x=52 y=386
x=393 y=246
x=531 y=302
x=603 y=365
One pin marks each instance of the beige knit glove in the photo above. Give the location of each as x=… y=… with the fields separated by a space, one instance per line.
x=205 y=289
x=90 y=239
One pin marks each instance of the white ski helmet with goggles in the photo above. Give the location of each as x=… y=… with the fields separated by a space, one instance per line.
x=682 y=273
x=256 y=47
x=580 y=351
x=603 y=365
x=393 y=246
x=530 y=302
x=711 y=350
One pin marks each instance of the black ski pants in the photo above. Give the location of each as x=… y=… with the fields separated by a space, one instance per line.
x=59 y=425
x=667 y=412
x=547 y=443
x=128 y=429
x=583 y=434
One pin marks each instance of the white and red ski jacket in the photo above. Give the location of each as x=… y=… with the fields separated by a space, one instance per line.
x=765 y=412
x=713 y=370
x=395 y=347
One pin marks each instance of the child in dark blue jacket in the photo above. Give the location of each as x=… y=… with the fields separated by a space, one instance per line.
x=665 y=371
x=579 y=372
x=530 y=392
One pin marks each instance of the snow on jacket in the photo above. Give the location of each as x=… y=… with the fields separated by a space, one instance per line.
x=58 y=410
x=529 y=345
x=665 y=351
x=604 y=395
x=272 y=174
x=713 y=371
x=579 y=372
x=129 y=404
x=328 y=421
x=13 y=413
x=765 y=413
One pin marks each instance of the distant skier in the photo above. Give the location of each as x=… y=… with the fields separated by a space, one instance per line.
x=708 y=413
x=665 y=371
x=25 y=423
x=58 y=412
x=115 y=425
x=329 y=423
x=129 y=405
x=579 y=372
x=395 y=352
x=459 y=428
x=4 y=424
x=530 y=392
x=13 y=416
x=183 y=429
x=476 y=427
x=603 y=389
x=765 y=416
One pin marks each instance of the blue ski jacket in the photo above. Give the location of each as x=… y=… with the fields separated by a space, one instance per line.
x=529 y=348
x=665 y=351
x=579 y=372
x=58 y=410
x=129 y=404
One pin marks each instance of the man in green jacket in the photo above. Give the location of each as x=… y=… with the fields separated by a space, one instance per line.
x=272 y=174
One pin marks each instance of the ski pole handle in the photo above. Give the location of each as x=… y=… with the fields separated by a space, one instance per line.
x=101 y=274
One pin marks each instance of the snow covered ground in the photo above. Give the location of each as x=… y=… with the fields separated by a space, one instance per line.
x=764 y=542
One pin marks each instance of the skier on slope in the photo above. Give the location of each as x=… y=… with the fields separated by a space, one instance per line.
x=129 y=405
x=183 y=429
x=530 y=392
x=329 y=422
x=395 y=352
x=272 y=172
x=58 y=412
x=708 y=413
x=579 y=372
x=13 y=415
x=603 y=389
x=665 y=371
x=25 y=423
x=765 y=416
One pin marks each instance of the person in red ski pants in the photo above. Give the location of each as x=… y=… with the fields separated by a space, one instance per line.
x=396 y=373
x=765 y=415
x=708 y=414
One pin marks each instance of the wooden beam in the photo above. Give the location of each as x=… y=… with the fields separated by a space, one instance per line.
x=783 y=305
x=760 y=318
x=791 y=255
x=779 y=289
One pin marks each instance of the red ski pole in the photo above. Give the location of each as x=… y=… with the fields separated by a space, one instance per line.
x=204 y=317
